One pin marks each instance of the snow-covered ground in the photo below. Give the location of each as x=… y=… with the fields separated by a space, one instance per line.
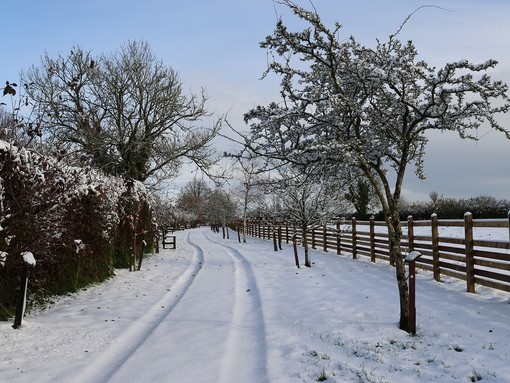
x=215 y=310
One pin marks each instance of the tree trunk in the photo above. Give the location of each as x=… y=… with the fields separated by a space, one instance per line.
x=305 y=245
x=395 y=237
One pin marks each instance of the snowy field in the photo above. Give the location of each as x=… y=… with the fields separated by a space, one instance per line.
x=216 y=310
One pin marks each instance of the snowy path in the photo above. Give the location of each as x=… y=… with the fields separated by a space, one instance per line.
x=183 y=320
x=215 y=310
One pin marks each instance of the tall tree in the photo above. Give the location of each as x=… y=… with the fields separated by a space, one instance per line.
x=127 y=111
x=367 y=108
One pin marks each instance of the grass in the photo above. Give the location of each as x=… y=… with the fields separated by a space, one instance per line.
x=322 y=377
x=475 y=377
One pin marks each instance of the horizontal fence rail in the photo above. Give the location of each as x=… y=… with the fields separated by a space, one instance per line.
x=476 y=251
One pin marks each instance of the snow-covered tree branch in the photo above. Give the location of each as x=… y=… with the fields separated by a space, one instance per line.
x=347 y=105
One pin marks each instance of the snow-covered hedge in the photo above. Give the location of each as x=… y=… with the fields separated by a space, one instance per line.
x=77 y=222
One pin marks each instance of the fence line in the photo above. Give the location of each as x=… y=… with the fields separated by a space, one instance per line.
x=459 y=254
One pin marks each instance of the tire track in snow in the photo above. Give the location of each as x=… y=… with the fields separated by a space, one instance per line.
x=245 y=358
x=108 y=362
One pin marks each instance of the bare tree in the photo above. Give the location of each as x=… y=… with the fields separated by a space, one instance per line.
x=127 y=111
x=306 y=202
x=192 y=199
x=250 y=189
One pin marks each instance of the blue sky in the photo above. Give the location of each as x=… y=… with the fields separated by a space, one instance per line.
x=215 y=44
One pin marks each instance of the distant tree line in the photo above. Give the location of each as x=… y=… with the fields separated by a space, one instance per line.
x=197 y=204
x=454 y=208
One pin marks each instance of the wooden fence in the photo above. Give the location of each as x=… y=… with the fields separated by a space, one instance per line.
x=448 y=247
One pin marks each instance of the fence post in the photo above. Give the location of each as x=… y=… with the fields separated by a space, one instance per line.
x=470 y=261
x=338 y=238
x=435 y=246
x=280 y=236
x=313 y=238
x=372 y=239
x=354 y=239
x=325 y=237
x=410 y=233
x=286 y=232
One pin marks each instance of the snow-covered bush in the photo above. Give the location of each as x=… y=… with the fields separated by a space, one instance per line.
x=72 y=219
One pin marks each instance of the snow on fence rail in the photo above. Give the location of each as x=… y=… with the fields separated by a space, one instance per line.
x=477 y=251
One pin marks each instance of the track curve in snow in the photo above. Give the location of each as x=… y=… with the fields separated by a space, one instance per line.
x=245 y=355
x=107 y=364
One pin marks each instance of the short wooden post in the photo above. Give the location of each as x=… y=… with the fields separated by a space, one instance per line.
x=28 y=260
x=372 y=239
x=354 y=239
x=411 y=258
x=286 y=232
x=412 y=297
x=313 y=238
x=280 y=236
x=142 y=252
x=470 y=260
x=132 y=266
x=435 y=246
x=20 y=306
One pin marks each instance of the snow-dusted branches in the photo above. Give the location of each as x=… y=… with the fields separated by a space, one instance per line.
x=366 y=107
x=345 y=104
x=127 y=111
